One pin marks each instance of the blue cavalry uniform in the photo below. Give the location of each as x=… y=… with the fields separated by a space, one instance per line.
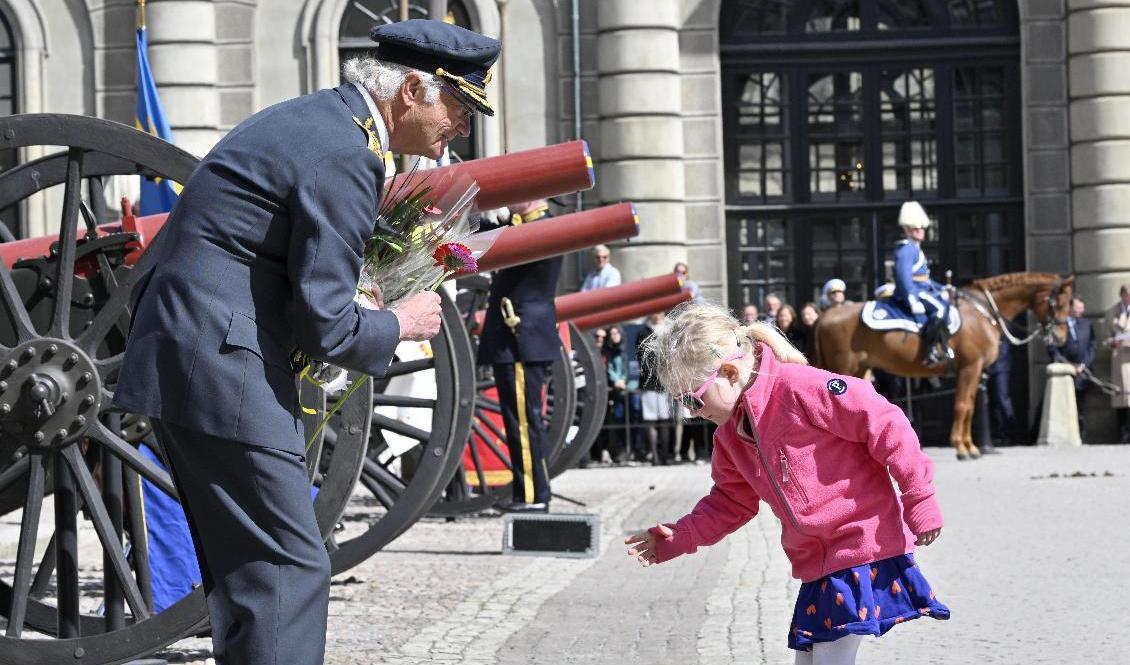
x=260 y=257
x=521 y=358
x=914 y=290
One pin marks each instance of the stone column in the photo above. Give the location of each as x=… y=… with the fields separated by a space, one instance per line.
x=183 y=57
x=641 y=149
x=1099 y=48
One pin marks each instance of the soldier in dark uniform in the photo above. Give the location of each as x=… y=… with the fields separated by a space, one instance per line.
x=520 y=342
x=260 y=256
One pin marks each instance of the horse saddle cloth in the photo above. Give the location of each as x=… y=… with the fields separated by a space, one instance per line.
x=884 y=315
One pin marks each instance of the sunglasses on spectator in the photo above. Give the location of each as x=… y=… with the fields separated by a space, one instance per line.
x=693 y=401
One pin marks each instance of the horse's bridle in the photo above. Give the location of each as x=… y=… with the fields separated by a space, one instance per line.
x=1047 y=326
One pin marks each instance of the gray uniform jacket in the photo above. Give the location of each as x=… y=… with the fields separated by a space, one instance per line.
x=261 y=255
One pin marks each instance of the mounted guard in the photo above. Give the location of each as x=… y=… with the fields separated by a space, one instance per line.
x=920 y=297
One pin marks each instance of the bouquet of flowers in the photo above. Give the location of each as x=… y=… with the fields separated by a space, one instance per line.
x=418 y=241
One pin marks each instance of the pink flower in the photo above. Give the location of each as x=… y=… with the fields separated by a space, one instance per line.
x=455 y=257
x=432 y=210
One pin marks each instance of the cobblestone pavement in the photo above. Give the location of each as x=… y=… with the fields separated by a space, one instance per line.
x=1032 y=562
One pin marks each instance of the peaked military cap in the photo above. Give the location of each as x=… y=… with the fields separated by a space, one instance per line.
x=462 y=59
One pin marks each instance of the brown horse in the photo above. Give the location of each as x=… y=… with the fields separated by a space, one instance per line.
x=845 y=346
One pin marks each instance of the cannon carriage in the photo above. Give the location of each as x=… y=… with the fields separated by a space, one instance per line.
x=68 y=460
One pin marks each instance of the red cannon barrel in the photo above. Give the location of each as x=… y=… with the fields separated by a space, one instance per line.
x=628 y=312
x=517 y=177
x=515 y=245
x=576 y=305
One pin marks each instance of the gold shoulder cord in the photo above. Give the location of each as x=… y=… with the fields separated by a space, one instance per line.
x=375 y=144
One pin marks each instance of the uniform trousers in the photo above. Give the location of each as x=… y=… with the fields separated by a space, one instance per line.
x=520 y=398
x=265 y=569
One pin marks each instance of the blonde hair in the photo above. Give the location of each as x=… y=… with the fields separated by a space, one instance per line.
x=696 y=337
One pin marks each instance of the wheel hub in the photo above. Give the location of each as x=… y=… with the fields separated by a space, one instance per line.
x=49 y=393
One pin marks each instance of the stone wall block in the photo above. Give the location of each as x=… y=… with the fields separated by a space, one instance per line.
x=702 y=180
x=182 y=107
x=183 y=64
x=639 y=261
x=1102 y=29
x=1047 y=127
x=698 y=50
x=1047 y=171
x=1050 y=253
x=181 y=21
x=700 y=137
x=1049 y=213
x=644 y=93
x=1100 y=118
x=638 y=50
x=1108 y=249
x=660 y=222
x=1040 y=9
x=234 y=22
x=705 y=268
x=1047 y=84
x=632 y=14
x=704 y=224
x=1046 y=41
x=235 y=64
x=1100 y=74
x=1103 y=205
x=1099 y=163
x=196 y=141
x=700 y=93
x=643 y=180
x=646 y=136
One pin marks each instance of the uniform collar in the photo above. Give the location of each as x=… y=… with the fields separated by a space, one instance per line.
x=378 y=120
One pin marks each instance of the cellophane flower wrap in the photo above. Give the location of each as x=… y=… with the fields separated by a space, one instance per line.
x=418 y=241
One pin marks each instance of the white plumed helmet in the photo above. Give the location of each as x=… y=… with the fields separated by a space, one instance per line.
x=911 y=215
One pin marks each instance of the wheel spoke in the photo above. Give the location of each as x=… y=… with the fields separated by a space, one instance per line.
x=138 y=537
x=67 y=244
x=46 y=568
x=374 y=486
x=409 y=366
x=384 y=476
x=108 y=368
x=17 y=312
x=118 y=302
x=490 y=443
x=25 y=553
x=133 y=458
x=397 y=427
x=111 y=545
x=380 y=399
x=14 y=472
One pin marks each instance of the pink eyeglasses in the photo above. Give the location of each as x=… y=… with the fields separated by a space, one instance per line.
x=693 y=401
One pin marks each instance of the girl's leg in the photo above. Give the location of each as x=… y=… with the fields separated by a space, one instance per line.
x=840 y=652
x=803 y=658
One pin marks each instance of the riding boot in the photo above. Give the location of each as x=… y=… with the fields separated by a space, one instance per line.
x=1123 y=425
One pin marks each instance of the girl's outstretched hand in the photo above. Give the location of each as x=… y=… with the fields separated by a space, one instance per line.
x=928 y=537
x=642 y=544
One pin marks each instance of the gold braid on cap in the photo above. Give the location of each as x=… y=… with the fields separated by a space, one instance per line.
x=465 y=86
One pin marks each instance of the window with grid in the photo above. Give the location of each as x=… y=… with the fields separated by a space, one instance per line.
x=909 y=131
x=353 y=40
x=835 y=135
x=980 y=162
x=766 y=248
x=762 y=135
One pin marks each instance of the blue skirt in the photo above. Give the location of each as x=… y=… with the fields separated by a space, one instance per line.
x=862 y=600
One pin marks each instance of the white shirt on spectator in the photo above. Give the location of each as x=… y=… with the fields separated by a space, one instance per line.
x=598 y=279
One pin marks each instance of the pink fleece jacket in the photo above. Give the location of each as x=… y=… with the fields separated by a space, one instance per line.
x=819 y=455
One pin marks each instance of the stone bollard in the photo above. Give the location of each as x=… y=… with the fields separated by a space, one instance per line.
x=1059 y=421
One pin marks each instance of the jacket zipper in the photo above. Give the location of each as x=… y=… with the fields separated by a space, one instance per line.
x=784 y=468
x=773 y=481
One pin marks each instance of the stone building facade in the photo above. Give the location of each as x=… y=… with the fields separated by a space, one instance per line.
x=656 y=106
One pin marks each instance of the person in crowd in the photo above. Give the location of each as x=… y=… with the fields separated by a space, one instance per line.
x=615 y=440
x=655 y=406
x=834 y=293
x=1002 y=416
x=599 y=336
x=772 y=306
x=684 y=274
x=820 y=449
x=1078 y=350
x=258 y=270
x=750 y=314
x=809 y=313
x=1117 y=323
x=603 y=273
x=794 y=330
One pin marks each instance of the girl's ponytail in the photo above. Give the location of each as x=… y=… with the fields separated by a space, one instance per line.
x=769 y=335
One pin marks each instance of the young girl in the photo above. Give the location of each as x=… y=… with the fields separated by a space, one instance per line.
x=816 y=447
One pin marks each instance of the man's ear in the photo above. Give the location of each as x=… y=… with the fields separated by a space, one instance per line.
x=412 y=90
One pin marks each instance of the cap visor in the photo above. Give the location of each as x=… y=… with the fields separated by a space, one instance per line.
x=468 y=100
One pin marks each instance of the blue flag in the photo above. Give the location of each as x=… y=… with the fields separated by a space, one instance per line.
x=157 y=194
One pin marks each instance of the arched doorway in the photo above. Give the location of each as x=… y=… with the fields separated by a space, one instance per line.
x=353 y=39
x=838 y=111
x=11 y=216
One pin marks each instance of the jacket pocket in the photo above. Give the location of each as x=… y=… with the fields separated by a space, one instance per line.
x=787 y=475
x=245 y=333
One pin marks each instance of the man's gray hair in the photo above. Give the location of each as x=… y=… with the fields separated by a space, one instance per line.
x=601 y=249
x=383 y=79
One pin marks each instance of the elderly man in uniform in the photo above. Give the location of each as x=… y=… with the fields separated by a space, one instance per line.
x=919 y=295
x=260 y=258
x=520 y=342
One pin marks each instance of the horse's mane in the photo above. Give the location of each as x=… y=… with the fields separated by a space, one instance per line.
x=1014 y=279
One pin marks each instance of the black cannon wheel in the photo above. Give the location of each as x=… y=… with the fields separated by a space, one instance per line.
x=469 y=491
x=420 y=414
x=592 y=402
x=61 y=340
